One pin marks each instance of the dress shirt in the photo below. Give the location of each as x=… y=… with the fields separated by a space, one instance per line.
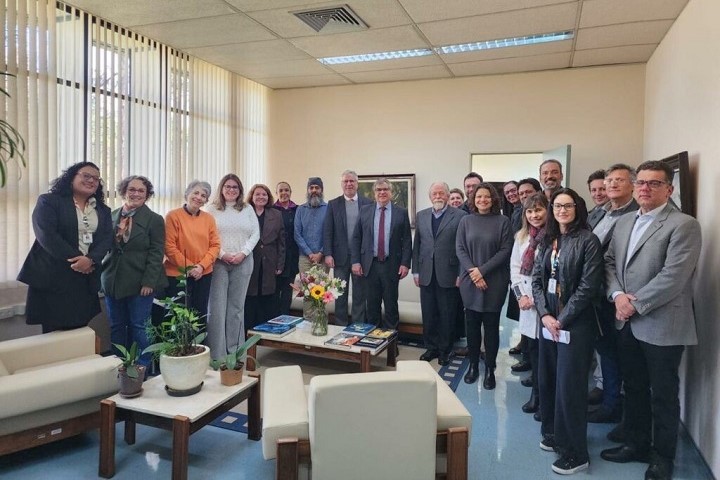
x=376 y=223
x=608 y=221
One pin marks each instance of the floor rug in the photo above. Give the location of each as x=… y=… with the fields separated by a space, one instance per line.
x=453 y=372
x=236 y=422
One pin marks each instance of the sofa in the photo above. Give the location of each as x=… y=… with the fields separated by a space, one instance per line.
x=51 y=386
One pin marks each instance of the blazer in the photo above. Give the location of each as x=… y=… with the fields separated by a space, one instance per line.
x=268 y=253
x=139 y=262
x=436 y=253
x=659 y=273
x=400 y=251
x=56 y=239
x=335 y=239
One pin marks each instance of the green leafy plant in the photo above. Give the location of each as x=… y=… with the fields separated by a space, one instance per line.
x=235 y=359
x=129 y=359
x=12 y=144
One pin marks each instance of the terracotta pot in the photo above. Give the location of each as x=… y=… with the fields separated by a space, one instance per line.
x=131 y=387
x=185 y=373
x=231 y=377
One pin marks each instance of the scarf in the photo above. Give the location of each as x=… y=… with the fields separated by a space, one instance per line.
x=124 y=226
x=528 y=257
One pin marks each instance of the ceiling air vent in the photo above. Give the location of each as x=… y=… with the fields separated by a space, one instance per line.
x=332 y=19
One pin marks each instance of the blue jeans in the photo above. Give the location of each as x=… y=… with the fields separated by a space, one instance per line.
x=128 y=317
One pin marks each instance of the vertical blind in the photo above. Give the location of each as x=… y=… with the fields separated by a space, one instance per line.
x=87 y=90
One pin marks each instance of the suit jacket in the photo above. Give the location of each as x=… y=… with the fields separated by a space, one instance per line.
x=335 y=240
x=400 y=251
x=139 y=262
x=436 y=253
x=659 y=273
x=595 y=215
x=269 y=252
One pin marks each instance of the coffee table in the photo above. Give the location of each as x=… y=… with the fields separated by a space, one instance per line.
x=181 y=415
x=302 y=341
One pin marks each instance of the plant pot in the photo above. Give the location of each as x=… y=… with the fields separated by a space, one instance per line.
x=183 y=375
x=231 y=377
x=131 y=387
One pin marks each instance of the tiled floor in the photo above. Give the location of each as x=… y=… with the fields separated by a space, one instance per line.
x=504 y=442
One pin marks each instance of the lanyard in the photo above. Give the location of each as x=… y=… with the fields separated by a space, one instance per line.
x=554 y=259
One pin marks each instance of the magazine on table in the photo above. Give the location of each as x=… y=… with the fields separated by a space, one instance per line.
x=385 y=333
x=273 y=329
x=344 y=339
x=359 y=328
x=286 y=320
x=371 y=342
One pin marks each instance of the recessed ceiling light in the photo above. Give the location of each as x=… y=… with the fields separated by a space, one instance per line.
x=372 y=57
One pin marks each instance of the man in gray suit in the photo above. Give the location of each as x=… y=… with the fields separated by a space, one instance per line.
x=381 y=251
x=342 y=215
x=435 y=270
x=650 y=265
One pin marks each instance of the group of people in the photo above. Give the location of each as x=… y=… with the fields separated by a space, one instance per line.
x=617 y=279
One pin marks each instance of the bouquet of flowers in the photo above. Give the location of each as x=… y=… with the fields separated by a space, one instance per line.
x=318 y=288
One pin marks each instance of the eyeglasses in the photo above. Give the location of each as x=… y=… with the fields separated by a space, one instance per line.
x=231 y=187
x=563 y=206
x=382 y=189
x=617 y=181
x=137 y=190
x=89 y=177
x=653 y=184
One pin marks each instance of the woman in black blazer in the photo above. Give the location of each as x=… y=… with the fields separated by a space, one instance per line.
x=73 y=232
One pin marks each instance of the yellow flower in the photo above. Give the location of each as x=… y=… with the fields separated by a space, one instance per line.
x=317 y=292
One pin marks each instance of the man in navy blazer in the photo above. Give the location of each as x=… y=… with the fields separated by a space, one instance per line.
x=381 y=251
x=650 y=265
x=435 y=270
x=342 y=215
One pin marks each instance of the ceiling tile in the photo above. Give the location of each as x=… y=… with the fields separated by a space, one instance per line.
x=417 y=73
x=501 y=25
x=369 y=41
x=292 y=68
x=128 y=13
x=233 y=56
x=202 y=32
x=431 y=10
x=608 y=12
x=303 y=81
x=509 y=52
x=253 y=5
x=607 y=56
x=636 y=33
x=387 y=64
x=509 y=65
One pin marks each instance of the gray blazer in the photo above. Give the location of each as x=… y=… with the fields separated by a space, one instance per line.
x=660 y=274
x=436 y=252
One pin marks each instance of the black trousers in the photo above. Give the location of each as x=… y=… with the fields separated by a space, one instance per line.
x=652 y=406
x=259 y=309
x=563 y=377
x=533 y=347
x=357 y=284
x=284 y=294
x=198 y=293
x=382 y=289
x=439 y=310
x=475 y=321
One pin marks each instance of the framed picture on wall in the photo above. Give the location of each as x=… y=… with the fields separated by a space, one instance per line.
x=683 y=195
x=403 y=190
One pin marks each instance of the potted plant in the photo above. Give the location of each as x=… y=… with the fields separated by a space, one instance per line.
x=12 y=144
x=231 y=366
x=177 y=344
x=131 y=375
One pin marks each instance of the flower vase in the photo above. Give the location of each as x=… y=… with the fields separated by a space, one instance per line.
x=319 y=318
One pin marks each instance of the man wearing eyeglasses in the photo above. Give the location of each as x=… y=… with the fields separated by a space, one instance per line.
x=650 y=265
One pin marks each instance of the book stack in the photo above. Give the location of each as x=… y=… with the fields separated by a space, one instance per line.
x=377 y=338
x=278 y=326
x=362 y=335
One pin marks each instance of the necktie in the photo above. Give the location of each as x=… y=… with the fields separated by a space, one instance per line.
x=381 y=236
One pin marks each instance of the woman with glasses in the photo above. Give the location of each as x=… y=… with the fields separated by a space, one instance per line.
x=565 y=285
x=239 y=232
x=133 y=271
x=73 y=232
x=483 y=245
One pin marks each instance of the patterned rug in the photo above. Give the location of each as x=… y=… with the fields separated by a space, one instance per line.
x=236 y=422
x=452 y=373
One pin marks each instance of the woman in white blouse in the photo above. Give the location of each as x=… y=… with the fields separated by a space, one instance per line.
x=239 y=232
x=534 y=216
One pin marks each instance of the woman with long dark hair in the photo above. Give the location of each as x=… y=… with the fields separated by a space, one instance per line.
x=566 y=276
x=73 y=232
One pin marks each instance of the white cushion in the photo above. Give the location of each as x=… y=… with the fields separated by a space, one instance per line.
x=284 y=407
x=3 y=370
x=47 y=348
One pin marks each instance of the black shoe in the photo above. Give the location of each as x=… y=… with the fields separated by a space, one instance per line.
x=567 y=465
x=603 y=415
x=659 y=469
x=521 y=366
x=489 y=379
x=429 y=355
x=516 y=350
x=595 y=396
x=547 y=442
x=444 y=359
x=461 y=351
x=532 y=405
x=625 y=454
x=473 y=373
x=537 y=417
x=526 y=382
x=617 y=434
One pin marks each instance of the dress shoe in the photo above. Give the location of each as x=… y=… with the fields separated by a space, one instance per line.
x=489 y=379
x=595 y=396
x=429 y=355
x=537 y=417
x=444 y=359
x=659 y=469
x=526 y=382
x=624 y=454
x=532 y=405
x=617 y=434
x=521 y=366
x=516 y=350
x=604 y=415
x=473 y=373
x=461 y=351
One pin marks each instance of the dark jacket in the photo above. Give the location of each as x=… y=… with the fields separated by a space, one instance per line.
x=335 y=237
x=292 y=253
x=400 y=250
x=580 y=271
x=268 y=253
x=139 y=262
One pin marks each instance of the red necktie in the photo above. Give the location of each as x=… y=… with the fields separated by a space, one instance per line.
x=381 y=236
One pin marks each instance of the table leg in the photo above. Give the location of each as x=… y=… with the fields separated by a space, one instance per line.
x=181 y=440
x=254 y=428
x=130 y=432
x=249 y=362
x=392 y=353
x=364 y=360
x=107 y=439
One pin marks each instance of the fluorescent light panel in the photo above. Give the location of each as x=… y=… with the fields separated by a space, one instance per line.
x=461 y=48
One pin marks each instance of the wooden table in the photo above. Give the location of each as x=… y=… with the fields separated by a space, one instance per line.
x=302 y=341
x=181 y=415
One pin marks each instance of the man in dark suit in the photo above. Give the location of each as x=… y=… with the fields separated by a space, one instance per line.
x=435 y=270
x=650 y=265
x=596 y=186
x=342 y=215
x=381 y=251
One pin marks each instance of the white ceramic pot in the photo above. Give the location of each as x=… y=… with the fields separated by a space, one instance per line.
x=185 y=373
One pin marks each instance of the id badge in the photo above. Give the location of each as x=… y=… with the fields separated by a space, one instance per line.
x=87 y=238
x=552 y=286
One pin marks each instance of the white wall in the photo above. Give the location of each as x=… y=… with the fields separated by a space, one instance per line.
x=682 y=112
x=430 y=127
